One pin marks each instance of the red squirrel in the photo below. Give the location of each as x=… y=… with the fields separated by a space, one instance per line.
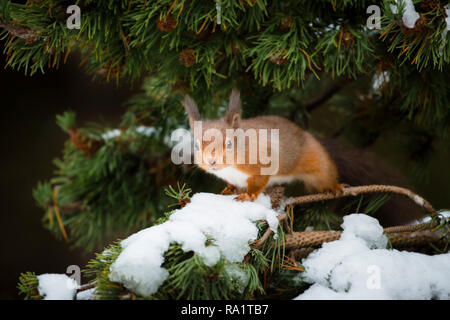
x=319 y=163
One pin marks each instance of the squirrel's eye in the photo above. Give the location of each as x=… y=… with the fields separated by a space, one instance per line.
x=196 y=146
x=229 y=144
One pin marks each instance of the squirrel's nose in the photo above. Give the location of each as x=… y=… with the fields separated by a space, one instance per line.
x=212 y=161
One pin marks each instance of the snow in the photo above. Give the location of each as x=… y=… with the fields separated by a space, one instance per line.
x=143 y=130
x=358 y=266
x=238 y=275
x=111 y=134
x=88 y=294
x=379 y=79
x=444 y=214
x=447 y=12
x=228 y=224
x=56 y=286
x=219 y=12
x=146 y=131
x=410 y=15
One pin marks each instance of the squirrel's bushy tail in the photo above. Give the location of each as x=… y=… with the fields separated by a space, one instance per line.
x=357 y=167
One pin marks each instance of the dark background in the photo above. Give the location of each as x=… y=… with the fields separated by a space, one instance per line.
x=30 y=140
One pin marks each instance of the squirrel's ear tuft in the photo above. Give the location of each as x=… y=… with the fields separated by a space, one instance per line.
x=191 y=109
x=233 y=116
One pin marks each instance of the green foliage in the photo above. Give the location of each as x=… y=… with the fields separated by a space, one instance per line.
x=250 y=48
x=109 y=186
x=28 y=286
x=182 y=194
x=66 y=121
x=191 y=279
x=98 y=270
x=286 y=46
x=110 y=181
x=423 y=46
x=117 y=189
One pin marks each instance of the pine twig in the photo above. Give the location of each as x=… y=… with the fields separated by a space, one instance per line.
x=57 y=214
x=258 y=243
x=420 y=235
x=325 y=236
x=354 y=191
x=86 y=286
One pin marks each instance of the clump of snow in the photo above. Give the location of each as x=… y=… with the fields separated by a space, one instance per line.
x=111 y=134
x=447 y=12
x=410 y=15
x=56 y=286
x=379 y=79
x=228 y=224
x=357 y=266
x=143 y=130
x=88 y=294
x=219 y=12
x=238 y=275
x=362 y=227
x=146 y=131
x=444 y=214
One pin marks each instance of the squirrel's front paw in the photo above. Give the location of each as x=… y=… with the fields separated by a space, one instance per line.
x=229 y=190
x=245 y=197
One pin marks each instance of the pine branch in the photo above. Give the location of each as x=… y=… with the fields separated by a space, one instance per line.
x=28 y=34
x=414 y=238
x=353 y=191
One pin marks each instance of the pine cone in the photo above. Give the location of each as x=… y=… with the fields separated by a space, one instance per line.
x=347 y=38
x=418 y=27
x=286 y=23
x=278 y=58
x=187 y=57
x=166 y=24
x=235 y=47
x=86 y=145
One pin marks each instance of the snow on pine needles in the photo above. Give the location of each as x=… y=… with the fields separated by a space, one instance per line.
x=54 y=286
x=229 y=225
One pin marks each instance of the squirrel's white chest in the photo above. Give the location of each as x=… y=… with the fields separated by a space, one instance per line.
x=232 y=176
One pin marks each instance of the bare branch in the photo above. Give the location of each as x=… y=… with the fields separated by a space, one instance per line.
x=353 y=191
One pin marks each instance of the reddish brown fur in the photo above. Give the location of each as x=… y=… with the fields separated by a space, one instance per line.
x=301 y=157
